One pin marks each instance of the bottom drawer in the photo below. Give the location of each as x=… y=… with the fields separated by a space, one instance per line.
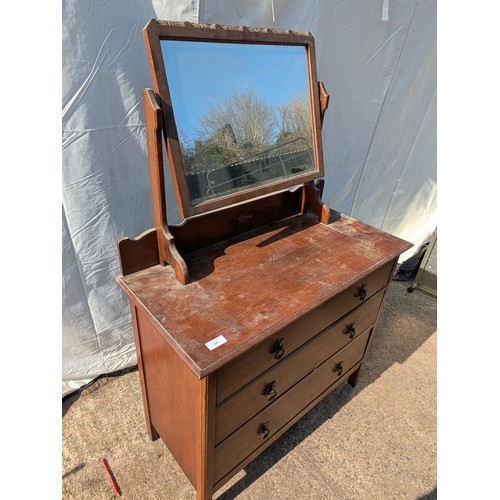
x=236 y=447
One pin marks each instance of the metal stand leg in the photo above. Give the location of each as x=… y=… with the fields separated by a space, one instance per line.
x=416 y=284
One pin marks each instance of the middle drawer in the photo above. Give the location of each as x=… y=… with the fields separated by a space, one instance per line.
x=268 y=387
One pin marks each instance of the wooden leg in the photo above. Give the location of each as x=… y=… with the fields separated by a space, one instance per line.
x=206 y=426
x=203 y=494
x=153 y=434
x=354 y=377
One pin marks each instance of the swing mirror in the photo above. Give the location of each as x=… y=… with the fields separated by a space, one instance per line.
x=240 y=110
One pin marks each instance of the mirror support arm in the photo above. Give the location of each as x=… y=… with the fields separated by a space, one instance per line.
x=313 y=191
x=324 y=99
x=168 y=253
x=312 y=200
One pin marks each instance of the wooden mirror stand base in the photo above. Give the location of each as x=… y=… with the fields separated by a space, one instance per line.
x=199 y=231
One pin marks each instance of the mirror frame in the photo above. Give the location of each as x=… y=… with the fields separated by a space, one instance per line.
x=154 y=32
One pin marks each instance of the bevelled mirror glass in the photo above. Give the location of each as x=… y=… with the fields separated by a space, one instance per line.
x=240 y=109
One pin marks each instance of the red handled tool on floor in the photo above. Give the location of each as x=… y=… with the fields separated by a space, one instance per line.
x=110 y=475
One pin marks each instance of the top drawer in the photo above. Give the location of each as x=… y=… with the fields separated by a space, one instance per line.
x=264 y=355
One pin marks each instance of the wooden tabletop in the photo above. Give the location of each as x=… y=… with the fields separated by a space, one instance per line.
x=249 y=287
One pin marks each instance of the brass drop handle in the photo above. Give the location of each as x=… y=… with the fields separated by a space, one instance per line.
x=270 y=390
x=350 y=330
x=339 y=368
x=277 y=348
x=263 y=430
x=362 y=292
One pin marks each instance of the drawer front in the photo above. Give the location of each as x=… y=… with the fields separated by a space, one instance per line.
x=242 y=370
x=273 y=384
x=239 y=445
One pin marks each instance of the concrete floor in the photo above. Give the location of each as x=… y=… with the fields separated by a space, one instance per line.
x=374 y=441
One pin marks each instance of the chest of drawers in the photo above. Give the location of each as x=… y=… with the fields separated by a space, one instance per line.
x=262 y=300
x=288 y=335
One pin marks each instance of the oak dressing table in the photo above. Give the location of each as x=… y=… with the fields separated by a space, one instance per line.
x=262 y=300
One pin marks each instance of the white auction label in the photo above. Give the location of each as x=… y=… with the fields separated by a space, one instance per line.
x=216 y=342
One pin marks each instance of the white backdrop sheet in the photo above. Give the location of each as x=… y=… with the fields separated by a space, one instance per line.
x=378 y=62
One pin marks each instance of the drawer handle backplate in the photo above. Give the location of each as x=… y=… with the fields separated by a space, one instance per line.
x=362 y=292
x=263 y=430
x=350 y=330
x=270 y=390
x=277 y=348
x=339 y=368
